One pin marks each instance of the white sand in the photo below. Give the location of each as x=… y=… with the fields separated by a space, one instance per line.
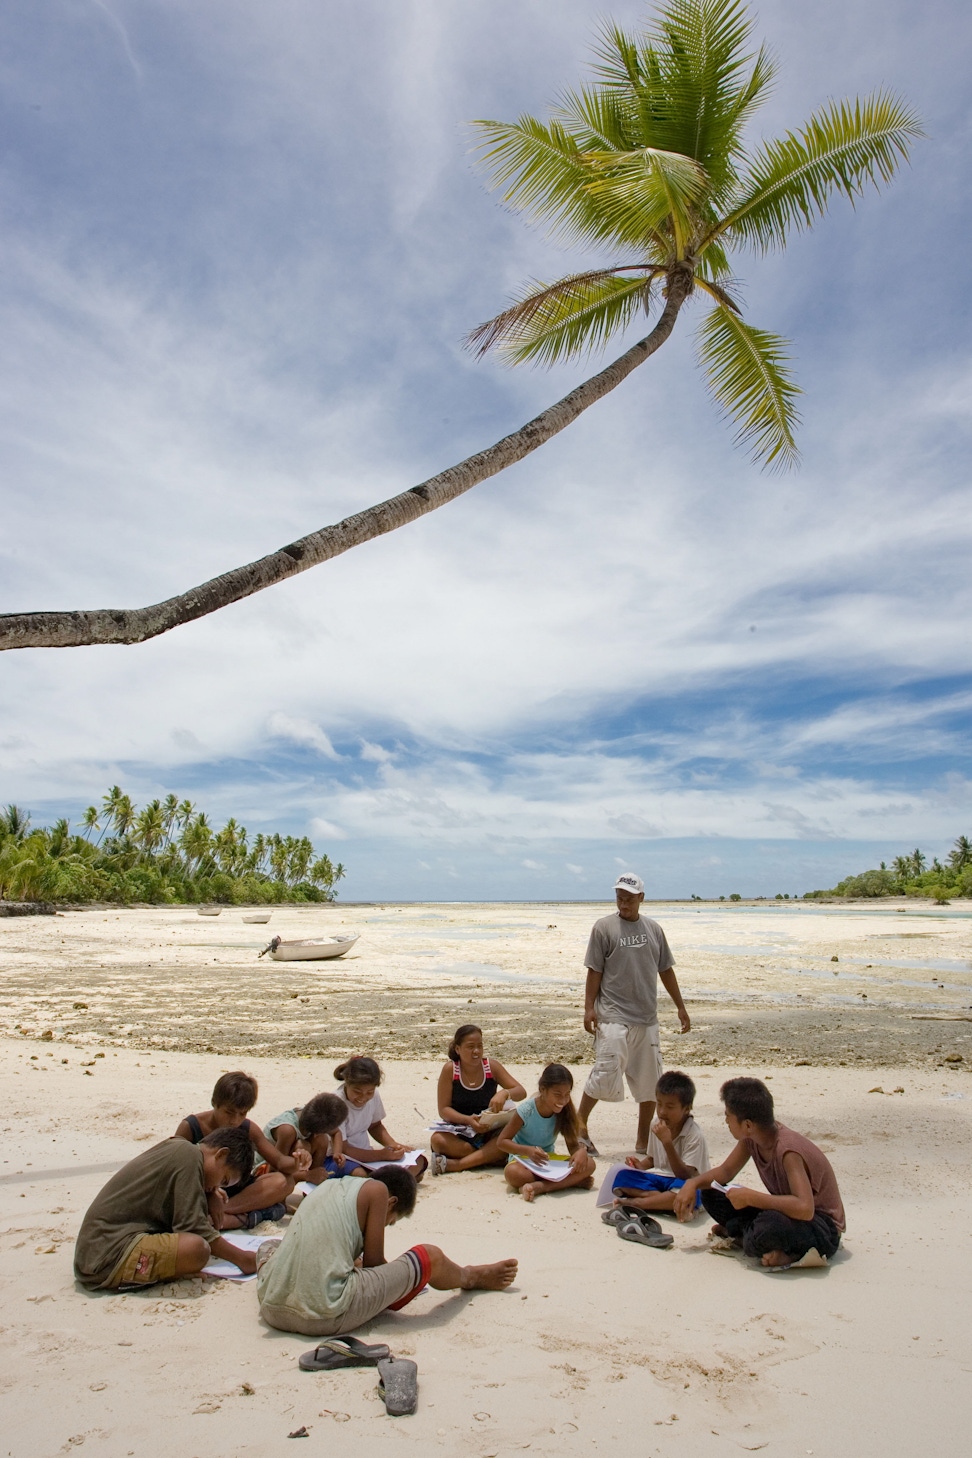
x=600 y=1346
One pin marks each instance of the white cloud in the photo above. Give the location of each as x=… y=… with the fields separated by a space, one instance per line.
x=533 y=865
x=324 y=829
x=376 y=753
x=301 y=731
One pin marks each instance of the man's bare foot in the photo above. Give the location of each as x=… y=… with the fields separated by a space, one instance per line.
x=531 y=1190
x=777 y=1258
x=489 y=1278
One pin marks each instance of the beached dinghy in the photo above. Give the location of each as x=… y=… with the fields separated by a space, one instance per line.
x=258 y=918
x=208 y=910
x=308 y=950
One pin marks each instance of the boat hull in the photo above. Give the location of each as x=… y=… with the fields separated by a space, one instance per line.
x=312 y=951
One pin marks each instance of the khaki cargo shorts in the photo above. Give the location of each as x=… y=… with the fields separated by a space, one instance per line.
x=631 y=1052
x=152 y=1258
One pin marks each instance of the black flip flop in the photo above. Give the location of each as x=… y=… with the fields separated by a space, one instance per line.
x=340 y=1352
x=621 y=1214
x=398 y=1385
x=645 y=1231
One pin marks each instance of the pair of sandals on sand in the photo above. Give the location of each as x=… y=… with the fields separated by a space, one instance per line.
x=638 y=1226
x=397 y=1376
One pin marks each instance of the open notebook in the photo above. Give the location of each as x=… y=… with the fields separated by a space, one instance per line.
x=243 y=1240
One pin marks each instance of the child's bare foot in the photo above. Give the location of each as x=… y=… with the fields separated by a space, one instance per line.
x=719 y=1231
x=777 y=1258
x=531 y=1190
x=231 y=1222
x=587 y=1184
x=489 y=1278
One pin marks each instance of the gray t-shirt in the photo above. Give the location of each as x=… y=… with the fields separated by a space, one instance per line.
x=630 y=955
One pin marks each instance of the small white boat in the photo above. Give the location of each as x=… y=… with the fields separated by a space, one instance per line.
x=208 y=910
x=308 y=950
x=258 y=918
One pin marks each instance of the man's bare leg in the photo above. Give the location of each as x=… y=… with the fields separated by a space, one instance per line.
x=445 y=1275
x=587 y=1104
x=646 y=1112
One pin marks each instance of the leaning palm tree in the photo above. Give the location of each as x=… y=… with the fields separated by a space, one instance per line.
x=651 y=163
x=960 y=855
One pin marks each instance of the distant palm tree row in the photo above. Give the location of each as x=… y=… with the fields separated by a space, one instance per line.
x=166 y=852
x=912 y=875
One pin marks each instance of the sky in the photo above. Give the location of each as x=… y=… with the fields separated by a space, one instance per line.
x=242 y=245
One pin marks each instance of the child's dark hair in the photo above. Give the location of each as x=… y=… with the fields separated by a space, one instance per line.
x=555 y=1075
x=460 y=1036
x=239 y=1150
x=322 y=1114
x=359 y=1070
x=400 y=1183
x=678 y=1085
x=749 y=1098
x=235 y=1091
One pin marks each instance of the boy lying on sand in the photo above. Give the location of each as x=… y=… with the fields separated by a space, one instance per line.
x=799 y=1212
x=159 y=1216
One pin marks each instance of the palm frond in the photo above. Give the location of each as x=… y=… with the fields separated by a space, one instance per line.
x=690 y=79
x=746 y=372
x=599 y=118
x=541 y=170
x=841 y=149
x=646 y=190
x=575 y=315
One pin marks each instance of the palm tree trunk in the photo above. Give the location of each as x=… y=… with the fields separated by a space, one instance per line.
x=74 y=629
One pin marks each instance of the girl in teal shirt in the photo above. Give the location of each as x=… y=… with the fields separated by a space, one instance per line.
x=532 y=1133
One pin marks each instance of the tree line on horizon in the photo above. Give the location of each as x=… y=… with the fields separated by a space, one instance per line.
x=167 y=852
x=912 y=875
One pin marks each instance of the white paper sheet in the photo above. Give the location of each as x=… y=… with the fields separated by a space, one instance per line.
x=226 y=1270
x=606 y=1192
x=557 y=1167
x=407 y=1161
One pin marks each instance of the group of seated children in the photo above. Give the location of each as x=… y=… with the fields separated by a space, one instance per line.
x=162 y=1215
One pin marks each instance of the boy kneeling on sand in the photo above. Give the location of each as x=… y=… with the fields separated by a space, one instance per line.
x=676 y=1150
x=798 y=1218
x=159 y=1216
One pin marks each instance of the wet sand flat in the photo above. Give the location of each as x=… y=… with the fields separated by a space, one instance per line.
x=760 y=980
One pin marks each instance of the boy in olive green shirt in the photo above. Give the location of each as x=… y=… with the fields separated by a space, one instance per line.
x=158 y=1217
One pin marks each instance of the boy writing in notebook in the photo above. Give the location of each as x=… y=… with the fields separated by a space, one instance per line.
x=676 y=1149
x=159 y=1216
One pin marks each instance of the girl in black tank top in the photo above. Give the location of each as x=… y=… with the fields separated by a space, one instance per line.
x=469 y=1085
x=472 y=1100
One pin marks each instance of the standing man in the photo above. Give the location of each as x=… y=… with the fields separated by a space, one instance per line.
x=626 y=955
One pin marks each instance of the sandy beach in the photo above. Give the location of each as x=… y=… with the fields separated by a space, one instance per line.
x=600 y=1344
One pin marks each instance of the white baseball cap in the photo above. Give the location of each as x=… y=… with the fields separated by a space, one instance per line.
x=627 y=881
